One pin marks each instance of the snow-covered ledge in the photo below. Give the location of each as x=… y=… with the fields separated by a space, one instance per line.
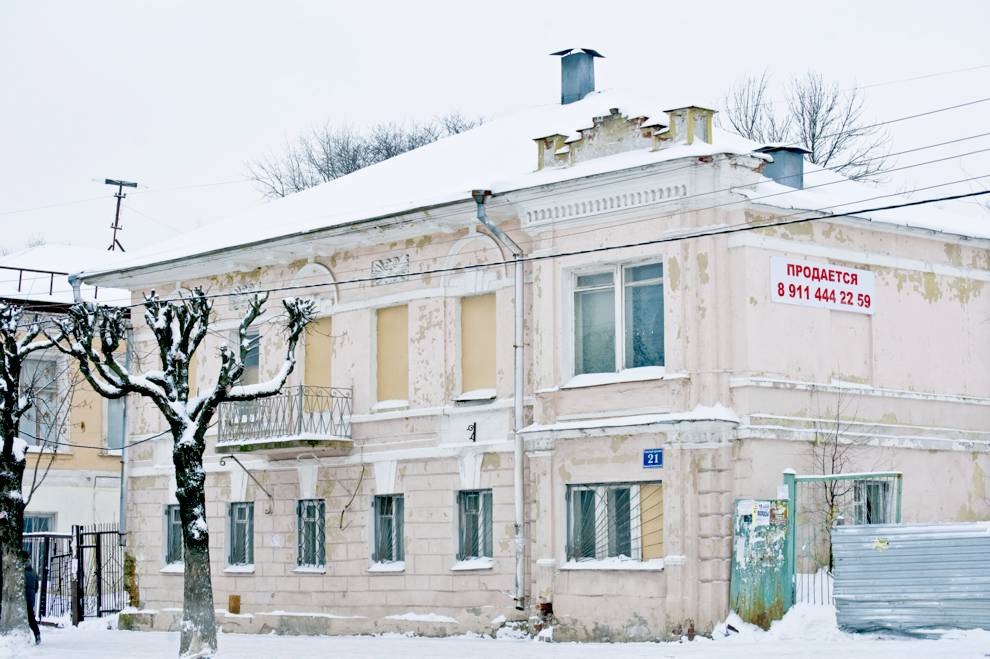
x=390 y=566
x=173 y=568
x=484 y=563
x=641 y=374
x=390 y=405
x=239 y=569
x=310 y=569
x=615 y=563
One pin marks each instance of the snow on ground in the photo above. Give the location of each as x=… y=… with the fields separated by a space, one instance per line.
x=806 y=631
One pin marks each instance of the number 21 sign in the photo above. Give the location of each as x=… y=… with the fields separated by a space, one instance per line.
x=652 y=458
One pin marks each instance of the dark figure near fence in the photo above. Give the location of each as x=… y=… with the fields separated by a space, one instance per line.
x=30 y=594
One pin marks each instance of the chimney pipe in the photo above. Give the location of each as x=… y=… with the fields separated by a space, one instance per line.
x=577 y=73
x=787 y=167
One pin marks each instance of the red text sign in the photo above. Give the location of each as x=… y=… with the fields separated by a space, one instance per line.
x=822 y=285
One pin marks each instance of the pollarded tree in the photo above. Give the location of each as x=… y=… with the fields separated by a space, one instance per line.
x=16 y=343
x=93 y=336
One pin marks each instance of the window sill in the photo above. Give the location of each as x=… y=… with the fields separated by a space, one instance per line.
x=310 y=569
x=393 y=566
x=473 y=564
x=173 y=568
x=476 y=397
x=615 y=564
x=641 y=374
x=390 y=405
x=239 y=569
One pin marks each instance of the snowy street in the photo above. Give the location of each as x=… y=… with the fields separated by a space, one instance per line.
x=805 y=632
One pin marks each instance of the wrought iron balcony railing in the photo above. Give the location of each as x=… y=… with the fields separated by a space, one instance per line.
x=297 y=416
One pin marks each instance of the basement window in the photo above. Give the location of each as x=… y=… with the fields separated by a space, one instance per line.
x=873 y=501
x=615 y=521
x=616 y=330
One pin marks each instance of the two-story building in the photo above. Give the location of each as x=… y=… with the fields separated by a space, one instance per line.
x=684 y=341
x=74 y=436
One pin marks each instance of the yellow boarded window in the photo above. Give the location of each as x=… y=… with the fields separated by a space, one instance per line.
x=319 y=353
x=478 y=342
x=393 y=353
x=651 y=519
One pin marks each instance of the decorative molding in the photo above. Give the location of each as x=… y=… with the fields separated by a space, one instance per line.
x=391 y=270
x=602 y=204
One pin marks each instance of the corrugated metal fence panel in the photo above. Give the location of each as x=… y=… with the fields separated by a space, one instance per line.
x=906 y=577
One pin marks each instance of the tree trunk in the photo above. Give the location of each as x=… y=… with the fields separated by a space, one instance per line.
x=13 y=612
x=199 y=631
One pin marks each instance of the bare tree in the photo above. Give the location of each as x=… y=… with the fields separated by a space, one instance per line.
x=16 y=344
x=93 y=335
x=330 y=152
x=815 y=114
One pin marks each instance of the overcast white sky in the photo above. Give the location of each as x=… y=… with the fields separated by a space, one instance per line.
x=179 y=95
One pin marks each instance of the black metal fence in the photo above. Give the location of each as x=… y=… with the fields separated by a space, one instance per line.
x=81 y=574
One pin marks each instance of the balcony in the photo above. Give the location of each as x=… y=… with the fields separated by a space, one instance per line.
x=299 y=419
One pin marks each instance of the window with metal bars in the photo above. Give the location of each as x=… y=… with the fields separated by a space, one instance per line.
x=311 y=536
x=475 y=523
x=388 y=511
x=241 y=526
x=873 y=501
x=173 y=535
x=615 y=520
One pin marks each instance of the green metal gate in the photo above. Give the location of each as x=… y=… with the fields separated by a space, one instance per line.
x=823 y=502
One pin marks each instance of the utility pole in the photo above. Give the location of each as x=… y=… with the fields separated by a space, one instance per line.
x=116 y=220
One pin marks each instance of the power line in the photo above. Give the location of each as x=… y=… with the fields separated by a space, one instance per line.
x=88 y=446
x=657 y=241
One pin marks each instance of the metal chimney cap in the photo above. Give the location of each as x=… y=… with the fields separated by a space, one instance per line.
x=571 y=51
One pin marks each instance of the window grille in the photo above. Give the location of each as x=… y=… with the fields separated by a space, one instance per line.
x=475 y=524
x=616 y=520
x=241 y=523
x=311 y=539
x=388 y=511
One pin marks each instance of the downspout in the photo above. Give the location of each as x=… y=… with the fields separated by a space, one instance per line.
x=518 y=392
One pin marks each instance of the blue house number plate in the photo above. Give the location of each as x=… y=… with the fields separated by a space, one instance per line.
x=652 y=458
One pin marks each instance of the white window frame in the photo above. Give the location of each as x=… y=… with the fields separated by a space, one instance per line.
x=617 y=270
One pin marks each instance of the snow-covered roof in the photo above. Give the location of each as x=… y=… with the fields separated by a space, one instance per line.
x=833 y=193
x=499 y=156
x=40 y=274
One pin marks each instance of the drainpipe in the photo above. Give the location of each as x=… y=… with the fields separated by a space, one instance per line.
x=518 y=389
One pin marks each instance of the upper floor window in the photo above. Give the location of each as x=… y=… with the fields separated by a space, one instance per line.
x=252 y=360
x=115 y=423
x=616 y=330
x=39 y=423
x=392 y=355
x=478 y=346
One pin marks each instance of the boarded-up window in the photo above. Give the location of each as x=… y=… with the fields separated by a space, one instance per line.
x=319 y=352
x=393 y=353
x=478 y=342
x=651 y=519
